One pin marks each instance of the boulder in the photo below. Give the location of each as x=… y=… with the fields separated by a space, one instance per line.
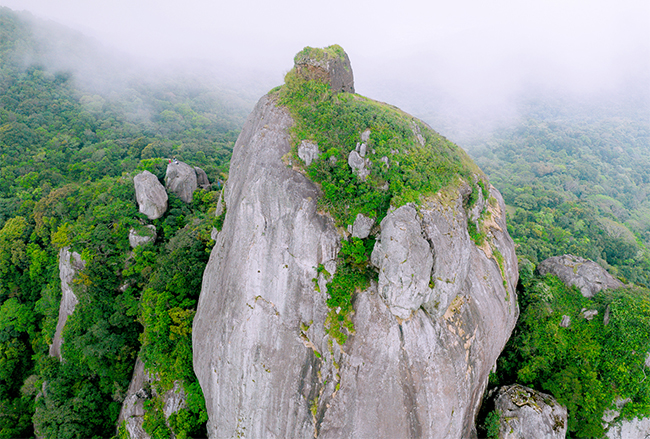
x=70 y=264
x=526 y=413
x=138 y=238
x=308 y=151
x=202 y=178
x=586 y=275
x=359 y=164
x=362 y=226
x=150 y=194
x=330 y=65
x=181 y=180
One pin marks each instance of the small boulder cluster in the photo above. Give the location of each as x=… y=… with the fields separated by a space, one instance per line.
x=180 y=179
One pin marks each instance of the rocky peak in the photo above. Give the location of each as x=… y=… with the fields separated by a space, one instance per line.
x=330 y=65
x=279 y=351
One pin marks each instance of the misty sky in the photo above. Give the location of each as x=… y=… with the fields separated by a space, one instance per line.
x=478 y=53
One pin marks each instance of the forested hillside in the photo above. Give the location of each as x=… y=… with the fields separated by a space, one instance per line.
x=76 y=126
x=578 y=183
x=68 y=155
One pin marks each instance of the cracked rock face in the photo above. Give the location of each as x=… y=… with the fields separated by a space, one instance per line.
x=70 y=263
x=181 y=180
x=527 y=413
x=150 y=194
x=426 y=334
x=587 y=275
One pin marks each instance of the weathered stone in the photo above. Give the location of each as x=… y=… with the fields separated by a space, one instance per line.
x=617 y=428
x=526 y=413
x=132 y=412
x=140 y=390
x=362 y=226
x=359 y=165
x=308 y=151
x=181 y=180
x=150 y=194
x=566 y=321
x=202 y=178
x=330 y=65
x=630 y=429
x=606 y=316
x=70 y=264
x=418 y=362
x=588 y=314
x=365 y=135
x=136 y=239
x=586 y=275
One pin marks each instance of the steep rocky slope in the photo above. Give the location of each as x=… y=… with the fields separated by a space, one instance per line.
x=303 y=330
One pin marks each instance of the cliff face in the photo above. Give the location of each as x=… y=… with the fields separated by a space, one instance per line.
x=427 y=330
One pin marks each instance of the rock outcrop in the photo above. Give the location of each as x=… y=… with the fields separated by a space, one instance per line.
x=330 y=65
x=150 y=194
x=181 y=180
x=425 y=336
x=618 y=428
x=586 y=275
x=630 y=429
x=141 y=389
x=526 y=413
x=202 y=178
x=136 y=239
x=70 y=264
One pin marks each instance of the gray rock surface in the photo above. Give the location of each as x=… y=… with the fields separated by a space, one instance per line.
x=181 y=180
x=588 y=314
x=150 y=194
x=362 y=226
x=630 y=429
x=359 y=164
x=419 y=360
x=308 y=151
x=202 y=178
x=142 y=388
x=586 y=275
x=70 y=263
x=132 y=412
x=326 y=66
x=136 y=239
x=566 y=321
x=526 y=414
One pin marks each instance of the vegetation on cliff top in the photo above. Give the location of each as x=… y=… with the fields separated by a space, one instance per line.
x=406 y=161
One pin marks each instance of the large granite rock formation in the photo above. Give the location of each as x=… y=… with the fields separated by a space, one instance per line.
x=70 y=264
x=150 y=194
x=587 y=275
x=181 y=180
x=330 y=65
x=426 y=335
x=526 y=413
